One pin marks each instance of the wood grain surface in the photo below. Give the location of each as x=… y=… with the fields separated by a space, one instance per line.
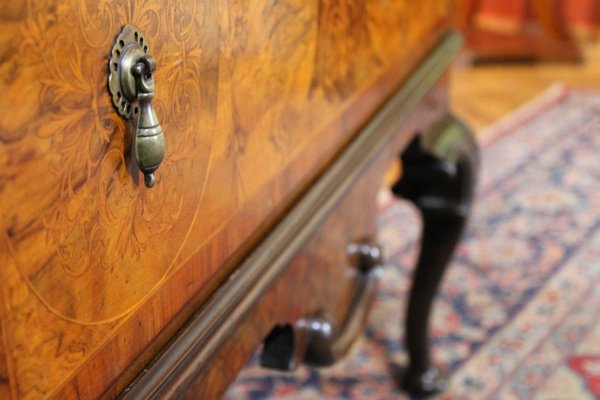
x=255 y=99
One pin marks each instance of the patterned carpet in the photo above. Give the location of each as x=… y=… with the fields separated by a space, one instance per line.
x=519 y=311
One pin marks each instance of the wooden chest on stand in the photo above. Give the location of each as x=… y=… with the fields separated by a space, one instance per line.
x=178 y=179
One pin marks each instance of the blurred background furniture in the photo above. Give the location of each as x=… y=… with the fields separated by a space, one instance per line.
x=526 y=30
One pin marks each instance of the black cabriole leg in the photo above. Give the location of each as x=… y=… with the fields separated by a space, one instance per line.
x=440 y=170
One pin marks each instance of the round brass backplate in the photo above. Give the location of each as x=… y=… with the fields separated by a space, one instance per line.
x=129 y=45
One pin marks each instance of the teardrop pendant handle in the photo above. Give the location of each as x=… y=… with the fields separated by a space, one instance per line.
x=131 y=83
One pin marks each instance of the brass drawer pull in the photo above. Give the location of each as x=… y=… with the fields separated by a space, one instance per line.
x=131 y=85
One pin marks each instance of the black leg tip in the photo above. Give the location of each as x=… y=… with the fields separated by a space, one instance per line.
x=422 y=384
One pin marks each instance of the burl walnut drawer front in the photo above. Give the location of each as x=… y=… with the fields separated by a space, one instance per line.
x=254 y=99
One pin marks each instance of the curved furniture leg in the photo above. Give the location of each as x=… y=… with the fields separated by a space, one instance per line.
x=439 y=176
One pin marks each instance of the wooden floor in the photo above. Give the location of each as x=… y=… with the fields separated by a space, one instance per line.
x=483 y=94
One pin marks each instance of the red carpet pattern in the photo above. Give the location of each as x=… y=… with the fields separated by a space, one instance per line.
x=518 y=315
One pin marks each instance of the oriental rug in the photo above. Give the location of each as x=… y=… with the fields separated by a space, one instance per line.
x=518 y=314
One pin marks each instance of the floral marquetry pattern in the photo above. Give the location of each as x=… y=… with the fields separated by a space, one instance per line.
x=98 y=218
